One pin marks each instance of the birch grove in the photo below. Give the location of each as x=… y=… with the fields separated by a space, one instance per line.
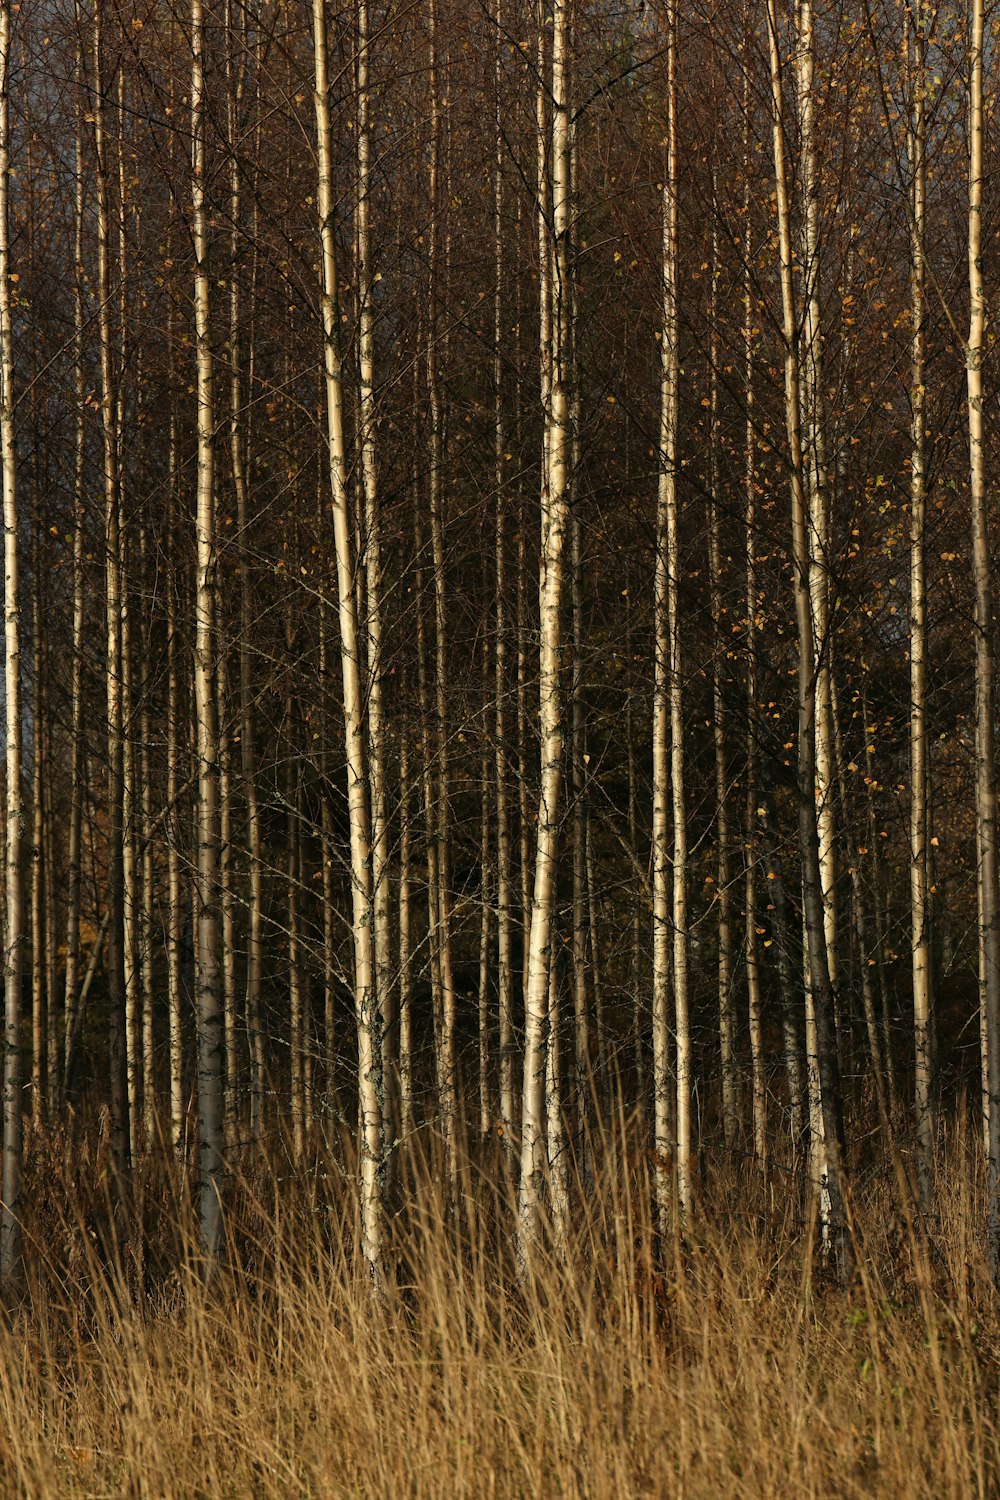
x=499 y=615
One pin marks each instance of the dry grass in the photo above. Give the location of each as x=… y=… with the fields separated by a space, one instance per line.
x=727 y=1366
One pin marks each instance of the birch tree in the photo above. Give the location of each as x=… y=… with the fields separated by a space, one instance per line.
x=669 y=860
x=10 y=1226
x=365 y=998
x=986 y=815
x=555 y=495
x=818 y=986
x=919 y=763
x=208 y=971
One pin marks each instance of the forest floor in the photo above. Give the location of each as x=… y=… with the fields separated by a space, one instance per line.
x=732 y=1363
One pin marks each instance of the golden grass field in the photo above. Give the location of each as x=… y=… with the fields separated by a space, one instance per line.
x=730 y=1364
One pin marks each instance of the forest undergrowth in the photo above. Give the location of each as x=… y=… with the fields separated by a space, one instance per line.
x=728 y=1361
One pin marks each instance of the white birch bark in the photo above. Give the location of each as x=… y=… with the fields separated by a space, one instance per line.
x=919 y=759
x=366 y=282
x=366 y=1004
x=555 y=494
x=669 y=858
x=986 y=810
x=821 y=1047
x=114 y=612
x=503 y=841
x=208 y=965
x=815 y=472
x=753 y=821
x=10 y=1223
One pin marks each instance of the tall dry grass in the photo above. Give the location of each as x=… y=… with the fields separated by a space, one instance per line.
x=730 y=1364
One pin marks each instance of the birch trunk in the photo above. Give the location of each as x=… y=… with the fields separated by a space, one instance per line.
x=919 y=760
x=239 y=458
x=11 y=1269
x=813 y=441
x=555 y=1128
x=753 y=820
x=503 y=845
x=130 y=880
x=227 y=905
x=581 y=1073
x=818 y=986
x=442 y=812
x=296 y=1044
x=668 y=708
x=39 y=714
x=366 y=1003
x=638 y=1009
x=74 y=836
x=377 y=771
x=405 y=936
x=986 y=813
x=208 y=967
x=555 y=494
x=723 y=876
x=114 y=612
x=174 y=888
x=485 y=922
x=147 y=875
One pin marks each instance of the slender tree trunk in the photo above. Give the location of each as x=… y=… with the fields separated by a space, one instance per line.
x=504 y=893
x=984 y=1038
x=326 y=827
x=377 y=768
x=523 y=797
x=724 y=898
x=594 y=937
x=986 y=814
x=208 y=975
x=636 y=973
x=227 y=898
x=175 y=899
x=485 y=921
x=39 y=715
x=114 y=608
x=430 y=838
x=296 y=1045
x=74 y=836
x=133 y=999
x=919 y=761
x=815 y=478
x=878 y=905
x=442 y=816
x=53 y=1044
x=819 y=991
x=147 y=897
x=366 y=1001
x=10 y=1226
x=752 y=928
x=555 y=494
x=555 y=1128
x=860 y=929
x=580 y=914
x=405 y=936
x=668 y=707
x=782 y=929
x=302 y=871
x=130 y=880
x=239 y=459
